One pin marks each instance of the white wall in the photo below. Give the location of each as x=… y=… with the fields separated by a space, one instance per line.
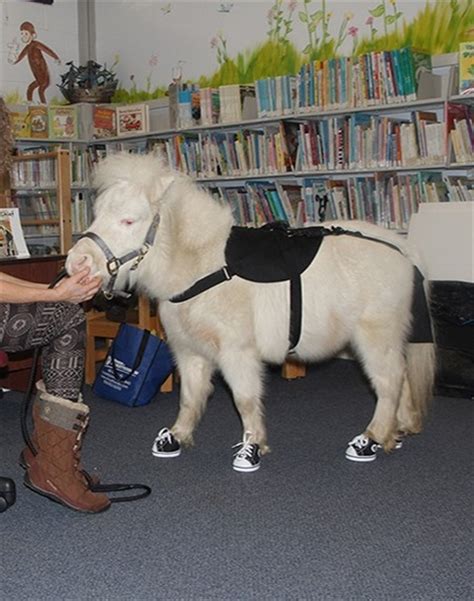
x=56 y=27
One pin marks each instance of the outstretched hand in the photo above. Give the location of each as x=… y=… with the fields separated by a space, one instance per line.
x=79 y=287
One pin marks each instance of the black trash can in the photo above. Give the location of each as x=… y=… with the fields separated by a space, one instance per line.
x=452 y=308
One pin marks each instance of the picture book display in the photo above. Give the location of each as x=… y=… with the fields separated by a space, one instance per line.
x=104 y=122
x=39 y=121
x=20 y=122
x=132 y=119
x=12 y=241
x=62 y=122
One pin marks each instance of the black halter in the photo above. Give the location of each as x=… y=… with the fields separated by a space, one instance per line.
x=114 y=263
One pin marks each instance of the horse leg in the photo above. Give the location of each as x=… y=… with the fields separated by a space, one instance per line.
x=384 y=364
x=242 y=371
x=195 y=374
x=408 y=417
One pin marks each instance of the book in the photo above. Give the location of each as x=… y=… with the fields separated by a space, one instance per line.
x=104 y=122
x=234 y=100
x=132 y=119
x=20 y=122
x=12 y=240
x=39 y=121
x=466 y=68
x=62 y=122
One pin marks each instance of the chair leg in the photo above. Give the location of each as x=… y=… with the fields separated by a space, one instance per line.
x=293 y=369
x=167 y=385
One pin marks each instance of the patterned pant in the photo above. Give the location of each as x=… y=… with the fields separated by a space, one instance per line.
x=60 y=330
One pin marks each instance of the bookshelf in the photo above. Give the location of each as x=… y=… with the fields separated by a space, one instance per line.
x=245 y=165
x=370 y=152
x=39 y=184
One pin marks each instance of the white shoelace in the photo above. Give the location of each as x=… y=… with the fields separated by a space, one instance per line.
x=359 y=441
x=245 y=450
x=164 y=435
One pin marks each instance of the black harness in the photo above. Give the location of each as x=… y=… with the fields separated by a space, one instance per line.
x=276 y=253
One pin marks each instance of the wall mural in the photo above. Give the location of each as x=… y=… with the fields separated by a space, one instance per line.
x=34 y=51
x=438 y=27
x=238 y=42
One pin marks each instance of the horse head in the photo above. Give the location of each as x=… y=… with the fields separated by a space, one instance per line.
x=126 y=214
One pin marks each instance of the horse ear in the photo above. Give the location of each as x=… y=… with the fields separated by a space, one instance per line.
x=166 y=182
x=159 y=188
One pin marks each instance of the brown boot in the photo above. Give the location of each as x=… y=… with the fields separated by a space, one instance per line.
x=27 y=457
x=54 y=472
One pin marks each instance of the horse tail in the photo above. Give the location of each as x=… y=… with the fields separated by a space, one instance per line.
x=421 y=369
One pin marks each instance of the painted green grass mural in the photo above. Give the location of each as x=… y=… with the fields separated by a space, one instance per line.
x=438 y=28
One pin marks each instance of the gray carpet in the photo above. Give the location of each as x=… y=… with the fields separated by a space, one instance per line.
x=308 y=525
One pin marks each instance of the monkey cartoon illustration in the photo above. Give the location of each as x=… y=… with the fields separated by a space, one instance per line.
x=34 y=51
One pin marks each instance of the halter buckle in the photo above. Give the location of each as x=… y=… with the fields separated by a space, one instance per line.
x=141 y=255
x=113 y=265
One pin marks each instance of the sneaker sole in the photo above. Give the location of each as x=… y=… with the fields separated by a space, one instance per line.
x=170 y=454
x=253 y=468
x=361 y=459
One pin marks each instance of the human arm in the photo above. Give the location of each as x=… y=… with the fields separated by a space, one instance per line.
x=5 y=277
x=75 y=289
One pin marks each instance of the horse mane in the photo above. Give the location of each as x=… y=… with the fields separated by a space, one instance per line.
x=137 y=171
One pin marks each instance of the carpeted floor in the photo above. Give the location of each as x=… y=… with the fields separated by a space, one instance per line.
x=308 y=525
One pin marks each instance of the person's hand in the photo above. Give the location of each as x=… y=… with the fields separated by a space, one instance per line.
x=78 y=287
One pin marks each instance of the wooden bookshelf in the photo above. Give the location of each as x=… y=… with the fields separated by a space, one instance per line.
x=11 y=193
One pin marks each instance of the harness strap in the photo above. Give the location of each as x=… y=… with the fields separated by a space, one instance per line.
x=209 y=281
x=296 y=302
x=339 y=231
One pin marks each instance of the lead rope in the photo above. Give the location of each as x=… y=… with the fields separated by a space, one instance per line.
x=93 y=486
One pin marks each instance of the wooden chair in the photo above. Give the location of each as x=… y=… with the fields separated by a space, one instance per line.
x=99 y=326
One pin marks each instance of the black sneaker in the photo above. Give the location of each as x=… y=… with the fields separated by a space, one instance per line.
x=247 y=458
x=362 y=448
x=166 y=445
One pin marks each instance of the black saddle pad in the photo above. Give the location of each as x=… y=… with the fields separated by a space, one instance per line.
x=272 y=253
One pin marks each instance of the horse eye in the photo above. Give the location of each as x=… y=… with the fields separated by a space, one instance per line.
x=127 y=221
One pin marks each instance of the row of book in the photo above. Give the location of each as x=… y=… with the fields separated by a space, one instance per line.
x=38 y=210
x=388 y=201
x=33 y=174
x=81 y=212
x=42 y=173
x=345 y=82
x=62 y=122
x=42 y=121
x=190 y=105
x=356 y=141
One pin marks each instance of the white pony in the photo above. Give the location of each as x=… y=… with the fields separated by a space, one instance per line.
x=158 y=230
